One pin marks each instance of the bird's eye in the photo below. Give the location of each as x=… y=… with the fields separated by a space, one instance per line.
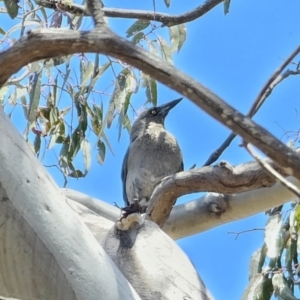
x=153 y=112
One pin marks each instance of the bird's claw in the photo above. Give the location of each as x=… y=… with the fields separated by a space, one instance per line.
x=134 y=207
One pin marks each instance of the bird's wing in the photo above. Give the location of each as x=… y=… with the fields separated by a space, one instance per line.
x=124 y=175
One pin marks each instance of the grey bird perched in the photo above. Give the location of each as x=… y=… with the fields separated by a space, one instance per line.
x=153 y=154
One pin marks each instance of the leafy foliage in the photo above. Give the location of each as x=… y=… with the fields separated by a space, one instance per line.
x=68 y=103
x=274 y=268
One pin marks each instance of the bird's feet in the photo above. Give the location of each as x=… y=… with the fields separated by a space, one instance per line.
x=134 y=207
x=130 y=216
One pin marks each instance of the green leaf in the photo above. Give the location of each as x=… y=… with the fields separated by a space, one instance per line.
x=63 y=159
x=24 y=106
x=54 y=114
x=87 y=73
x=67 y=74
x=152 y=48
x=126 y=84
x=96 y=119
x=37 y=144
x=259 y=288
x=86 y=152
x=101 y=152
x=137 y=37
x=282 y=291
x=177 y=36
x=257 y=261
x=99 y=72
x=226 y=6
x=165 y=50
x=53 y=139
x=273 y=236
x=137 y=26
x=21 y=91
x=64 y=112
x=12 y=99
x=2 y=31
x=75 y=143
x=3 y=92
x=151 y=91
x=34 y=94
x=12 y=7
x=123 y=115
x=106 y=140
x=76 y=173
x=167 y=2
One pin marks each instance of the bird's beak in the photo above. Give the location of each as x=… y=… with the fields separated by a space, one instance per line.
x=165 y=108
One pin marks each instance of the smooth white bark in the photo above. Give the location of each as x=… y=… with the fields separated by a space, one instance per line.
x=197 y=216
x=89 y=271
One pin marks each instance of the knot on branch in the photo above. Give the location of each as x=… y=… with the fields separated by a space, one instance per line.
x=216 y=204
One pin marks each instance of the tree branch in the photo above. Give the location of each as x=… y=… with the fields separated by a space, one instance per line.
x=199 y=216
x=165 y=19
x=260 y=99
x=255 y=191
x=35 y=196
x=44 y=43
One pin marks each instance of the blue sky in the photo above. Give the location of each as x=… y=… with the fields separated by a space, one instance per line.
x=233 y=55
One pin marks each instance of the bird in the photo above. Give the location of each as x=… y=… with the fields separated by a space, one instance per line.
x=153 y=154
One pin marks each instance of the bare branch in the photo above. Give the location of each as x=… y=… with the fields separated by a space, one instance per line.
x=165 y=19
x=197 y=216
x=260 y=99
x=270 y=84
x=217 y=153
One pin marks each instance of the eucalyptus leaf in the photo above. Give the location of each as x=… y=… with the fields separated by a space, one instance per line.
x=12 y=7
x=34 y=94
x=177 y=36
x=151 y=91
x=101 y=152
x=273 y=236
x=3 y=93
x=165 y=50
x=87 y=73
x=86 y=152
x=137 y=37
x=37 y=144
x=168 y=3
x=226 y=6
x=137 y=26
x=24 y=106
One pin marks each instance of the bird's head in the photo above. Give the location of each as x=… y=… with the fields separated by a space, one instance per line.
x=156 y=115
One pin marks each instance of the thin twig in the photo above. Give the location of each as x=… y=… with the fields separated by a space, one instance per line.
x=267 y=88
x=260 y=99
x=245 y=231
x=166 y=19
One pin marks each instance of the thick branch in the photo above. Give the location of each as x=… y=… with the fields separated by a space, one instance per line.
x=209 y=211
x=223 y=179
x=198 y=215
x=51 y=43
x=37 y=198
x=256 y=192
